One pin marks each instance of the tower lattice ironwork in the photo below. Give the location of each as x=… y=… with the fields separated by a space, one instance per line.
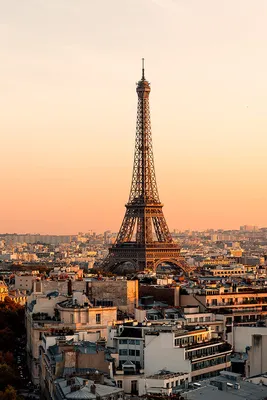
x=144 y=238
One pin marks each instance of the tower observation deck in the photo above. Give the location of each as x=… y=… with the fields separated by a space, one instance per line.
x=144 y=238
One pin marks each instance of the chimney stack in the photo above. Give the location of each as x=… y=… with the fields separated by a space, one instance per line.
x=69 y=287
x=93 y=389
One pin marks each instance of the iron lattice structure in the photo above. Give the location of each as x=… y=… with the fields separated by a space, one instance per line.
x=144 y=238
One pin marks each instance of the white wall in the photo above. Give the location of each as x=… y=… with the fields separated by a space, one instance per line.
x=23 y=282
x=243 y=336
x=160 y=353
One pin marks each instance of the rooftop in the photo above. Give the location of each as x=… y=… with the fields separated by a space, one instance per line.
x=79 y=388
x=69 y=303
x=131 y=332
x=166 y=375
x=227 y=386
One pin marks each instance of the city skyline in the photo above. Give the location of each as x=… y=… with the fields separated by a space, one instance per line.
x=69 y=112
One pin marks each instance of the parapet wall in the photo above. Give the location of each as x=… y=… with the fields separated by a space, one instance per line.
x=123 y=294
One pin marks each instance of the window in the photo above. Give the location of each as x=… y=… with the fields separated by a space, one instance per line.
x=123 y=341
x=123 y=352
x=134 y=387
x=119 y=384
x=132 y=352
x=98 y=318
x=137 y=353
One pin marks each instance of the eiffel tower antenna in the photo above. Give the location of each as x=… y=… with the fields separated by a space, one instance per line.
x=143 y=69
x=144 y=238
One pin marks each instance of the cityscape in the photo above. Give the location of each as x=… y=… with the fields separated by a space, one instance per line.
x=141 y=311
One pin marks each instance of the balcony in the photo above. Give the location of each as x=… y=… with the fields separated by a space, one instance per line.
x=244 y=304
x=211 y=342
x=44 y=317
x=222 y=350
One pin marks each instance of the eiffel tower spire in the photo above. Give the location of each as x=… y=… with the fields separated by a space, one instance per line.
x=144 y=238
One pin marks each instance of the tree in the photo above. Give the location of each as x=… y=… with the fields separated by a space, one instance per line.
x=11 y=327
x=9 y=394
x=7 y=339
x=7 y=376
x=6 y=358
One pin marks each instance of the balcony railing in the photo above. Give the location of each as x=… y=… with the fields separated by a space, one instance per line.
x=222 y=349
x=236 y=304
x=43 y=317
x=195 y=345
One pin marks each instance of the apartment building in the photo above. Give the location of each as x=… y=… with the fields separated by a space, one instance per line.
x=236 y=305
x=54 y=312
x=186 y=316
x=162 y=383
x=146 y=348
x=199 y=352
x=24 y=281
x=65 y=355
x=193 y=317
x=73 y=272
x=228 y=271
x=121 y=293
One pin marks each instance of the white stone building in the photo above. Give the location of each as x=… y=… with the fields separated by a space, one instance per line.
x=67 y=314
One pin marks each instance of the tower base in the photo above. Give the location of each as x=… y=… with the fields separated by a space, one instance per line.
x=129 y=257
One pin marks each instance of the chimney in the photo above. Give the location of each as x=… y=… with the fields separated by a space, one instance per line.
x=87 y=289
x=69 y=288
x=93 y=389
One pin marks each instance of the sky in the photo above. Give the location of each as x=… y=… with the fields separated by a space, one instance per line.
x=68 y=70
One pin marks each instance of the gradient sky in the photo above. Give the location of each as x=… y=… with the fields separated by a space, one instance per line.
x=68 y=70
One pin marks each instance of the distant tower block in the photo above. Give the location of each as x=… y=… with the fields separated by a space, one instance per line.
x=144 y=239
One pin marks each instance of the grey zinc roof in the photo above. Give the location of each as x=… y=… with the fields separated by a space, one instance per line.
x=85 y=391
x=248 y=391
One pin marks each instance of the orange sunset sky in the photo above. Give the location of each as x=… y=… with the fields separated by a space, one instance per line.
x=68 y=70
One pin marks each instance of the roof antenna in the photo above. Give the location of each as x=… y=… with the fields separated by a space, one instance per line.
x=143 y=69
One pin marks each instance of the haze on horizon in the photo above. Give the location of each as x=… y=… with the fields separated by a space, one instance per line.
x=68 y=111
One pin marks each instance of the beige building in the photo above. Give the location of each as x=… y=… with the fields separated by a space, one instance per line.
x=66 y=355
x=235 y=306
x=23 y=281
x=73 y=272
x=233 y=270
x=194 y=317
x=57 y=313
x=122 y=293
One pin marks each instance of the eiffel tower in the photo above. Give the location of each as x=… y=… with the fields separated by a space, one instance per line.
x=144 y=238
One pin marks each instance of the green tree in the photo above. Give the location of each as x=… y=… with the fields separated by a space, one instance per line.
x=9 y=394
x=7 y=376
